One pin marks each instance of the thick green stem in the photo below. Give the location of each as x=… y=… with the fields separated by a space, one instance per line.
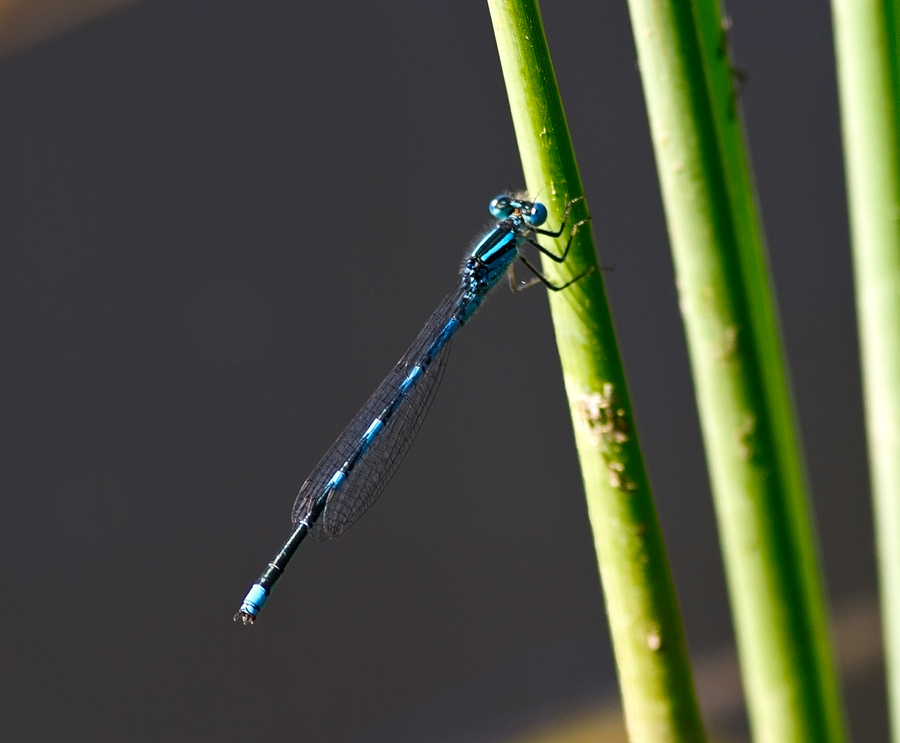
x=867 y=41
x=648 y=638
x=745 y=408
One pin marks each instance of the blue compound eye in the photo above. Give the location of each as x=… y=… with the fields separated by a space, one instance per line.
x=537 y=215
x=501 y=207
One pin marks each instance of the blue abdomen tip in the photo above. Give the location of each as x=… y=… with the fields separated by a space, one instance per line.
x=254 y=601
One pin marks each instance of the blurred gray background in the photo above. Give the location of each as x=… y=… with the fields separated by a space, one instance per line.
x=221 y=224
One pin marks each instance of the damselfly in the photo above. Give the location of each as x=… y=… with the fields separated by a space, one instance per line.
x=359 y=464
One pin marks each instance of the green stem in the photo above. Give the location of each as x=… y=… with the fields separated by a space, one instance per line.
x=648 y=638
x=867 y=41
x=743 y=397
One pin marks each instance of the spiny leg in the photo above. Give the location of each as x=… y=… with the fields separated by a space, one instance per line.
x=540 y=278
x=550 y=254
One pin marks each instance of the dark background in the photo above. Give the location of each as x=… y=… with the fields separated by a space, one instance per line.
x=222 y=223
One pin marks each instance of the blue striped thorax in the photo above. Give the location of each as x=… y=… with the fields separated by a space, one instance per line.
x=498 y=248
x=492 y=256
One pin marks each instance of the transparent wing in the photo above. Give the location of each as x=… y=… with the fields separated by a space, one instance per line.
x=377 y=464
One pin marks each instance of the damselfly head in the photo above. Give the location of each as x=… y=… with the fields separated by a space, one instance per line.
x=533 y=212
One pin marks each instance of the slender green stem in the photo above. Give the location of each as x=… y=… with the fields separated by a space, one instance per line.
x=648 y=638
x=742 y=391
x=867 y=41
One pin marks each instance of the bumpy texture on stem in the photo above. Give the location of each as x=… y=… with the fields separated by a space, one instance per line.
x=648 y=638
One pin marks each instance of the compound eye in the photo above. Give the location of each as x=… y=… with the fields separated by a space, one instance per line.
x=537 y=215
x=501 y=207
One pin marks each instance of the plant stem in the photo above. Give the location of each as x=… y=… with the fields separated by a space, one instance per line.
x=648 y=638
x=867 y=41
x=741 y=384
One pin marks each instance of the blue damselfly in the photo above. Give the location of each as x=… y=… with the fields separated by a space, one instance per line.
x=359 y=464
